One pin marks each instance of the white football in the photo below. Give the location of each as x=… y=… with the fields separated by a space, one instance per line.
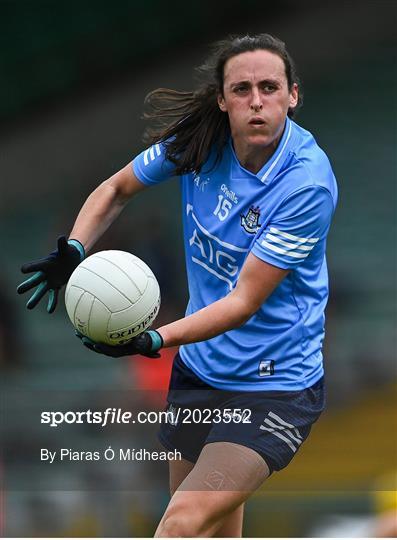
x=112 y=296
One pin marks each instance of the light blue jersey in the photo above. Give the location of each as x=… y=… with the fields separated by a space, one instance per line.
x=282 y=215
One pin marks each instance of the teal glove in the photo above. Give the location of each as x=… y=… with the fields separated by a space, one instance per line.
x=147 y=344
x=52 y=272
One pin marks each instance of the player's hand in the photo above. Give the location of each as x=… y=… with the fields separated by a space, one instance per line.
x=51 y=272
x=146 y=344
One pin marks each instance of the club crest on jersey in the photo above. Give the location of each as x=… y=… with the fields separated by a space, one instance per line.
x=250 y=222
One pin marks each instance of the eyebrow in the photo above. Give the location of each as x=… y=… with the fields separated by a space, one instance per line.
x=265 y=81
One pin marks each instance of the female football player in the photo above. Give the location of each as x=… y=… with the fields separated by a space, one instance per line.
x=258 y=197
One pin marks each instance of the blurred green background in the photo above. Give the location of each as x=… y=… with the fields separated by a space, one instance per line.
x=73 y=79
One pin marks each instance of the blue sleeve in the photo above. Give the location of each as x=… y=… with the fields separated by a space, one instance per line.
x=151 y=166
x=298 y=227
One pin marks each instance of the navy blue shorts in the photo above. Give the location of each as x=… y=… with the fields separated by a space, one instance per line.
x=273 y=423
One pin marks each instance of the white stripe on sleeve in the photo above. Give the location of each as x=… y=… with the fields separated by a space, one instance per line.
x=273 y=238
x=293 y=237
x=284 y=251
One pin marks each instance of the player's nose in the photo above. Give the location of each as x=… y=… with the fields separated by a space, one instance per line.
x=256 y=102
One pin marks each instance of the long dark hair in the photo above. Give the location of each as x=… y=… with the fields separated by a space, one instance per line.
x=191 y=123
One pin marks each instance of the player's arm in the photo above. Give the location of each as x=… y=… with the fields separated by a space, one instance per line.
x=256 y=282
x=104 y=205
x=98 y=212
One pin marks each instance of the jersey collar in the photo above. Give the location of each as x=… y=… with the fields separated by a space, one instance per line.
x=274 y=164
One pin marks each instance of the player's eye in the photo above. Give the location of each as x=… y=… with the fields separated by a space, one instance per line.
x=240 y=89
x=268 y=88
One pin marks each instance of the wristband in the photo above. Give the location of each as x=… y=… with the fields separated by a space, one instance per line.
x=79 y=246
x=157 y=340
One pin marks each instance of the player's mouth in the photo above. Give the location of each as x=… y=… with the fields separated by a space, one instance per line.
x=256 y=121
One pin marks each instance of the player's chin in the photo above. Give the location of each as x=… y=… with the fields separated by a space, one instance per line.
x=259 y=139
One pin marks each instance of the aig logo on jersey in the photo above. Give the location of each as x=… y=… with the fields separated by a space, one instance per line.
x=266 y=368
x=250 y=222
x=219 y=258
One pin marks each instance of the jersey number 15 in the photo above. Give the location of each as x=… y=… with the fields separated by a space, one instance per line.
x=223 y=208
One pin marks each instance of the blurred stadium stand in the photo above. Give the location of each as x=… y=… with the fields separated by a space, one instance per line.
x=74 y=76
x=55 y=49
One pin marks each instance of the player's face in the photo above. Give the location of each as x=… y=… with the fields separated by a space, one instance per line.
x=256 y=98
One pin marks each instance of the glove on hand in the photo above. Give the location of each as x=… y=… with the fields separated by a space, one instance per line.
x=52 y=272
x=147 y=344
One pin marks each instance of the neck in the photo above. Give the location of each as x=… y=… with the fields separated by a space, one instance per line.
x=253 y=159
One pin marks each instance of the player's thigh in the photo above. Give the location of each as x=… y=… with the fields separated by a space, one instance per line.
x=227 y=467
x=178 y=471
x=224 y=476
x=232 y=525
